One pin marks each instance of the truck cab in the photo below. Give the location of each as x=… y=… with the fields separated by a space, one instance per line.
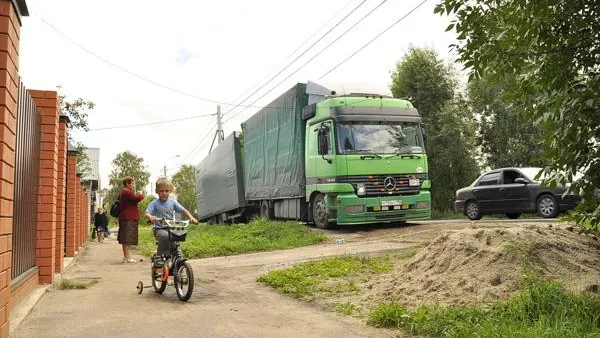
x=365 y=161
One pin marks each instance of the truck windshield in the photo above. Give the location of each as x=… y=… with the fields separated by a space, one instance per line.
x=379 y=138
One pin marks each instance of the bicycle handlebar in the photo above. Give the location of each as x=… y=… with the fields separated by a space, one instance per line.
x=172 y=224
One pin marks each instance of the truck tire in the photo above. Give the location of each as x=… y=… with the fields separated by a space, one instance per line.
x=320 y=215
x=265 y=210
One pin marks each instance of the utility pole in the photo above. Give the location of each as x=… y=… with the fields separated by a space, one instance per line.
x=219 y=134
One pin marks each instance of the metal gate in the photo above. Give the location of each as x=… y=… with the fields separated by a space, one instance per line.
x=27 y=161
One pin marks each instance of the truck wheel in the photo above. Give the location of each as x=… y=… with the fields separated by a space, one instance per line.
x=320 y=216
x=265 y=210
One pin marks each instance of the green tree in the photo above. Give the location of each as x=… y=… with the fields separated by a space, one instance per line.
x=126 y=164
x=185 y=187
x=422 y=78
x=143 y=205
x=552 y=50
x=505 y=136
x=77 y=111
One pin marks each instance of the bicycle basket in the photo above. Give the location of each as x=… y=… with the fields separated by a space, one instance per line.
x=178 y=235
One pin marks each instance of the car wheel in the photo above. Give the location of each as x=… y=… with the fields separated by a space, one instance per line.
x=547 y=206
x=513 y=215
x=472 y=210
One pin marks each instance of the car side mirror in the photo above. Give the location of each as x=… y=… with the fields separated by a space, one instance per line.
x=521 y=180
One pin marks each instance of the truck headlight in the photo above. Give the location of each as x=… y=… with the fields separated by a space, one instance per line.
x=360 y=189
x=414 y=182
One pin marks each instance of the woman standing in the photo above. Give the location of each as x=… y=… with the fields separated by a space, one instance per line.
x=128 y=217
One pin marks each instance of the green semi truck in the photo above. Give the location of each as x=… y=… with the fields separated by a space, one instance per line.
x=313 y=156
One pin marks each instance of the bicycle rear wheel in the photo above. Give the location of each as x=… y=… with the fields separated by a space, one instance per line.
x=184 y=281
x=159 y=282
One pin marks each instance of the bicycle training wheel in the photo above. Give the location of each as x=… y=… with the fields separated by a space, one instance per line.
x=159 y=283
x=184 y=281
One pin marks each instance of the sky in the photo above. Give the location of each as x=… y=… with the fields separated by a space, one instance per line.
x=144 y=63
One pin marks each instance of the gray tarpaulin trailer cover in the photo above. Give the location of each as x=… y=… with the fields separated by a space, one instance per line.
x=219 y=180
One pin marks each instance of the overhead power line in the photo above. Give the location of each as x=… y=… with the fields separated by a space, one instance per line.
x=316 y=55
x=151 y=123
x=291 y=54
x=136 y=75
x=373 y=39
x=299 y=56
x=195 y=150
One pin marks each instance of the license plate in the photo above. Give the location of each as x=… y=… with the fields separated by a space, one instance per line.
x=390 y=203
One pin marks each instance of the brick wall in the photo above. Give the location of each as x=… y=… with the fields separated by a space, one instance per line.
x=71 y=201
x=10 y=27
x=48 y=108
x=60 y=195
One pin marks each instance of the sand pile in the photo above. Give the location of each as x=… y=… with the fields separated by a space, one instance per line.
x=481 y=264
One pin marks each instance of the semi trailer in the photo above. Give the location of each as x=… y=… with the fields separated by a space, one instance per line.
x=314 y=156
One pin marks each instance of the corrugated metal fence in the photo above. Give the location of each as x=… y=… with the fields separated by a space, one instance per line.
x=26 y=183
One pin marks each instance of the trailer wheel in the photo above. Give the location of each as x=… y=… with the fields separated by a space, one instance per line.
x=320 y=215
x=265 y=210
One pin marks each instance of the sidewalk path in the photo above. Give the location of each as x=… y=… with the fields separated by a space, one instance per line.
x=227 y=302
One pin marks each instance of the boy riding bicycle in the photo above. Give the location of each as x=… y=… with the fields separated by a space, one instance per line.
x=164 y=208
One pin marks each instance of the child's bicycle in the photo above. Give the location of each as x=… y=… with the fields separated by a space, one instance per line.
x=176 y=265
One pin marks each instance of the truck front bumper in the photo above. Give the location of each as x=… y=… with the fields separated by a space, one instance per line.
x=350 y=209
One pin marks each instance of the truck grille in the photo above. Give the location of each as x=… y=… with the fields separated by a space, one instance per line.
x=375 y=184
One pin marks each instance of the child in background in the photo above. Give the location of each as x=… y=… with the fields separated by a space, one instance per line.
x=164 y=207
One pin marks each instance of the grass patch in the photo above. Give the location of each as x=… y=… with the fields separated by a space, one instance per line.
x=347 y=308
x=69 y=284
x=325 y=276
x=216 y=240
x=542 y=309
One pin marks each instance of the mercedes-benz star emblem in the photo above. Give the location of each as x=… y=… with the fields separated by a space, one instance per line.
x=389 y=183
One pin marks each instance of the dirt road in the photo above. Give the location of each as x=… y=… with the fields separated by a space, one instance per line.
x=227 y=301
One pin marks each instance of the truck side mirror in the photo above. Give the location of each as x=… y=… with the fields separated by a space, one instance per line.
x=323 y=141
x=424 y=133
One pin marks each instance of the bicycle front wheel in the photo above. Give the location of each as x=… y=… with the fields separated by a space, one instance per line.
x=184 y=281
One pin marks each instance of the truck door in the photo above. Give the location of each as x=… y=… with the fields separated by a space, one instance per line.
x=324 y=157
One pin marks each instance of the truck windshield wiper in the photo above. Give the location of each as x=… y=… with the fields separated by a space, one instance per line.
x=403 y=155
x=368 y=153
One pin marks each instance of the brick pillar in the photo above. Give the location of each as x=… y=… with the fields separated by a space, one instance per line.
x=48 y=107
x=72 y=188
x=10 y=30
x=61 y=195
x=88 y=201
x=78 y=211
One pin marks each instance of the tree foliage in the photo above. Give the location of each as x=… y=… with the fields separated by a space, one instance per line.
x=77 y=111
x=185 y=187
x=422 y=78
x=504 y=135
x=552 y=51
x=126 y=164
